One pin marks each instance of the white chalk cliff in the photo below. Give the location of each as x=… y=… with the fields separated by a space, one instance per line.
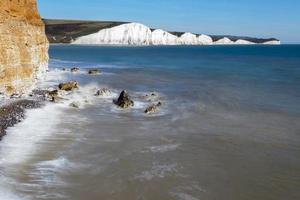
x=126 y=34
x=205 y=40
x=243 y=42
x=160 y=37
x=223 y=41
x=139 y=34
x=188 y=39
x=273 y=42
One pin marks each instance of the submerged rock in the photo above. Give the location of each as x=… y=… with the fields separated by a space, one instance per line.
x=104 y=92
x=75 y=104
x=68 y=86
x=53 y=95
x=75 y=69
x=159 y=104
x=94 y=72
x=124 y=100
x=152 y=108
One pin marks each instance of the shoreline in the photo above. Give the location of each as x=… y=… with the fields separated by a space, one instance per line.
x=13 y=112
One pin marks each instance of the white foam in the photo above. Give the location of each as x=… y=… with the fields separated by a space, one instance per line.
x=52 y=78
x=163 y=148
x=183 y=196
x=157 y=171
x=22 y=139
x=22 y=142
x=7 y=194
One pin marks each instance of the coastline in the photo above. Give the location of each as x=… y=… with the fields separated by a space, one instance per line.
x=14 y=111
x=219 y=119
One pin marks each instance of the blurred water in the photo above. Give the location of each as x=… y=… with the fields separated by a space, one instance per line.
x=228 y=128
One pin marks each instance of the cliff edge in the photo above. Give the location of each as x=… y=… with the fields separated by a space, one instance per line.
x=23 y=46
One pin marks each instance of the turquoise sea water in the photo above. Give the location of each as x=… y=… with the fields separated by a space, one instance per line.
x=228 y=127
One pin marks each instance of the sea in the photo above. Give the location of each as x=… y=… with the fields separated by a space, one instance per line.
x=228 y=127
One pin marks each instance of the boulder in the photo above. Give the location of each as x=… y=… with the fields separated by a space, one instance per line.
x=68 y=86
x=124 y=100
x=104 y=92
x=74 y=69
x=94 y=72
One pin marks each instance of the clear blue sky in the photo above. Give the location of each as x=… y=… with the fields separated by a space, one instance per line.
x=260 y=18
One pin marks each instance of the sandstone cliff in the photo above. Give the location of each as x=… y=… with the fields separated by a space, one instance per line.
x=23 y=46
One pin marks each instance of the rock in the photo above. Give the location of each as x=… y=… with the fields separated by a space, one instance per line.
x=124 y=100
x=39 y=94
x=64 y=69
x=15 y=96
x=68 y=86
x=75 y=104
x=94 y=72
x=74 y=69
x=53 y=96
x=104 y=92
x=23 y=46
x=159 y=104
x=151 y=109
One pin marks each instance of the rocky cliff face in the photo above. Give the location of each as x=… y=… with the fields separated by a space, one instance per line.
x=23 y=46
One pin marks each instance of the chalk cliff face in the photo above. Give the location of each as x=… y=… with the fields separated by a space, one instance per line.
x=126 y=34
x=139 y=34
x=23 y=46
x=160 y=37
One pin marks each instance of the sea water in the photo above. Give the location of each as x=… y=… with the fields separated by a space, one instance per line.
x=228 y=127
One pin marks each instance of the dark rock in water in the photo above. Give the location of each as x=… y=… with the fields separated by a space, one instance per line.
x=124 y=100
x=151 y=109
x=68 y=86
x=75 y=104
x=53 y=95
x=104 y=92
x=14 y=112
x=75 y=69
x=94 y=72
x=64 y=69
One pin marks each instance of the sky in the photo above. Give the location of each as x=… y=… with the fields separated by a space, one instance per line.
x=257 y=18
